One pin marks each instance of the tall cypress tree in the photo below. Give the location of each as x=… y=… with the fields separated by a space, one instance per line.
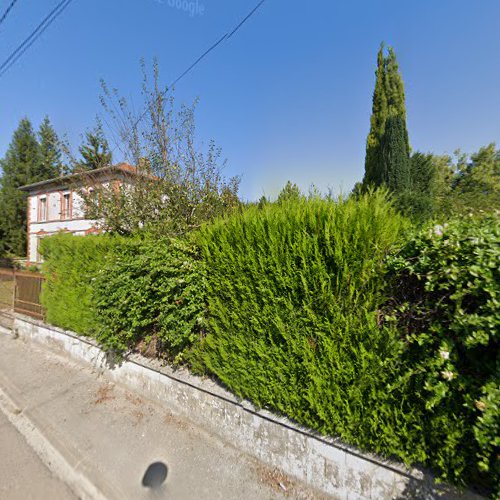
x=50 y=151
x=388 y=107
x=20 y=166
x=394 y=156
x=377 y=121
x=394 y=87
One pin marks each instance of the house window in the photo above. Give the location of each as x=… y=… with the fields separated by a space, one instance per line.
x=66 y=206
x=42 y=209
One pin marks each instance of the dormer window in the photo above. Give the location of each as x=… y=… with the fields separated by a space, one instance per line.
x=66 y=206
x=42 y=209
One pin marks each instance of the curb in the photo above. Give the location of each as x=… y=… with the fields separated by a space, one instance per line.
x=49 y=455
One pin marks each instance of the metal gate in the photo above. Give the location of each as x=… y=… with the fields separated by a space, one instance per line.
x=27 y=294
x=20 y=291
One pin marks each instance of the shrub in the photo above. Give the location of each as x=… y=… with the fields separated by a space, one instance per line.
x=293 y=290
x=151 y=292
x=70 y=265
x=445 y=301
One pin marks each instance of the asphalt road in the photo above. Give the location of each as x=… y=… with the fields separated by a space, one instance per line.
x=108 y=435
x=23 y=476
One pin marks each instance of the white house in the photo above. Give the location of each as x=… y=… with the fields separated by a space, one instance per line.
x=55 y=205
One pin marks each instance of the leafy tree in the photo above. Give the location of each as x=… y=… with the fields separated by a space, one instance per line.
x=20 y=166
x=95 y=150
x=442 y=186
x=50 y=151
x=179 y=185
x=477 y=181
x=442 y=182
x=388 y=128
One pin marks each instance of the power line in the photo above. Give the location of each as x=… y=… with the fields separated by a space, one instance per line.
x=6 y=13
x=226 y=36
x=199 y=59
x=33 y=37
x=251 y=13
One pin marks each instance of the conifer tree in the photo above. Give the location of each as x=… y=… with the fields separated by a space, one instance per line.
x=20 y=166
x=388 y=105
x=95 y=151
x=290 y=192
x=377 y=120
x=50 y=151
x=394 y=156
x=394 y=87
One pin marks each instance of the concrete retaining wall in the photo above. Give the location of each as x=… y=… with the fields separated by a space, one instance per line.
x=329 y=466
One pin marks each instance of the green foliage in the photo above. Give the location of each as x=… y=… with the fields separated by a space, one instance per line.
x=152 y=292
x=95 y=150
x=293 y=290
x=420 y=198
x=423 y=171
x=30 y=158
x=443 y=186
x=377 y=121
x=20 y=166
x=445 y=301
x=382 y=163
x=476 y=185
x=289 y=192
x=487 y=431
x=394 y=171
x=126 y=291
x=50 y=151
x=71 y=264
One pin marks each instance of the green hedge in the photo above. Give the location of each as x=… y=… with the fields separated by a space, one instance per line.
x=128 y=293
x=151 y=293
x=71 y=264
x=293 y=291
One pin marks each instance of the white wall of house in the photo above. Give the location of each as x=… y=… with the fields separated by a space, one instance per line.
x=64 y=212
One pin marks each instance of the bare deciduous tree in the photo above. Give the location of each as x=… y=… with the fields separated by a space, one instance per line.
x=178 y=186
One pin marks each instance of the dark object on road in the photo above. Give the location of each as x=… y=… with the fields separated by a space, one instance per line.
x=155 y=475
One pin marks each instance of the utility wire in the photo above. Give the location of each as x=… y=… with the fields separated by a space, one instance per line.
x=6 y=13
x=33 y=37
x=251 y=13
x=226 y=36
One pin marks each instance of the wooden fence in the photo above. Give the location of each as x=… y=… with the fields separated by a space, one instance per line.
x=20 y=291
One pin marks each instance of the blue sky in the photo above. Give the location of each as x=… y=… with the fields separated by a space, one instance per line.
x=288 y=97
